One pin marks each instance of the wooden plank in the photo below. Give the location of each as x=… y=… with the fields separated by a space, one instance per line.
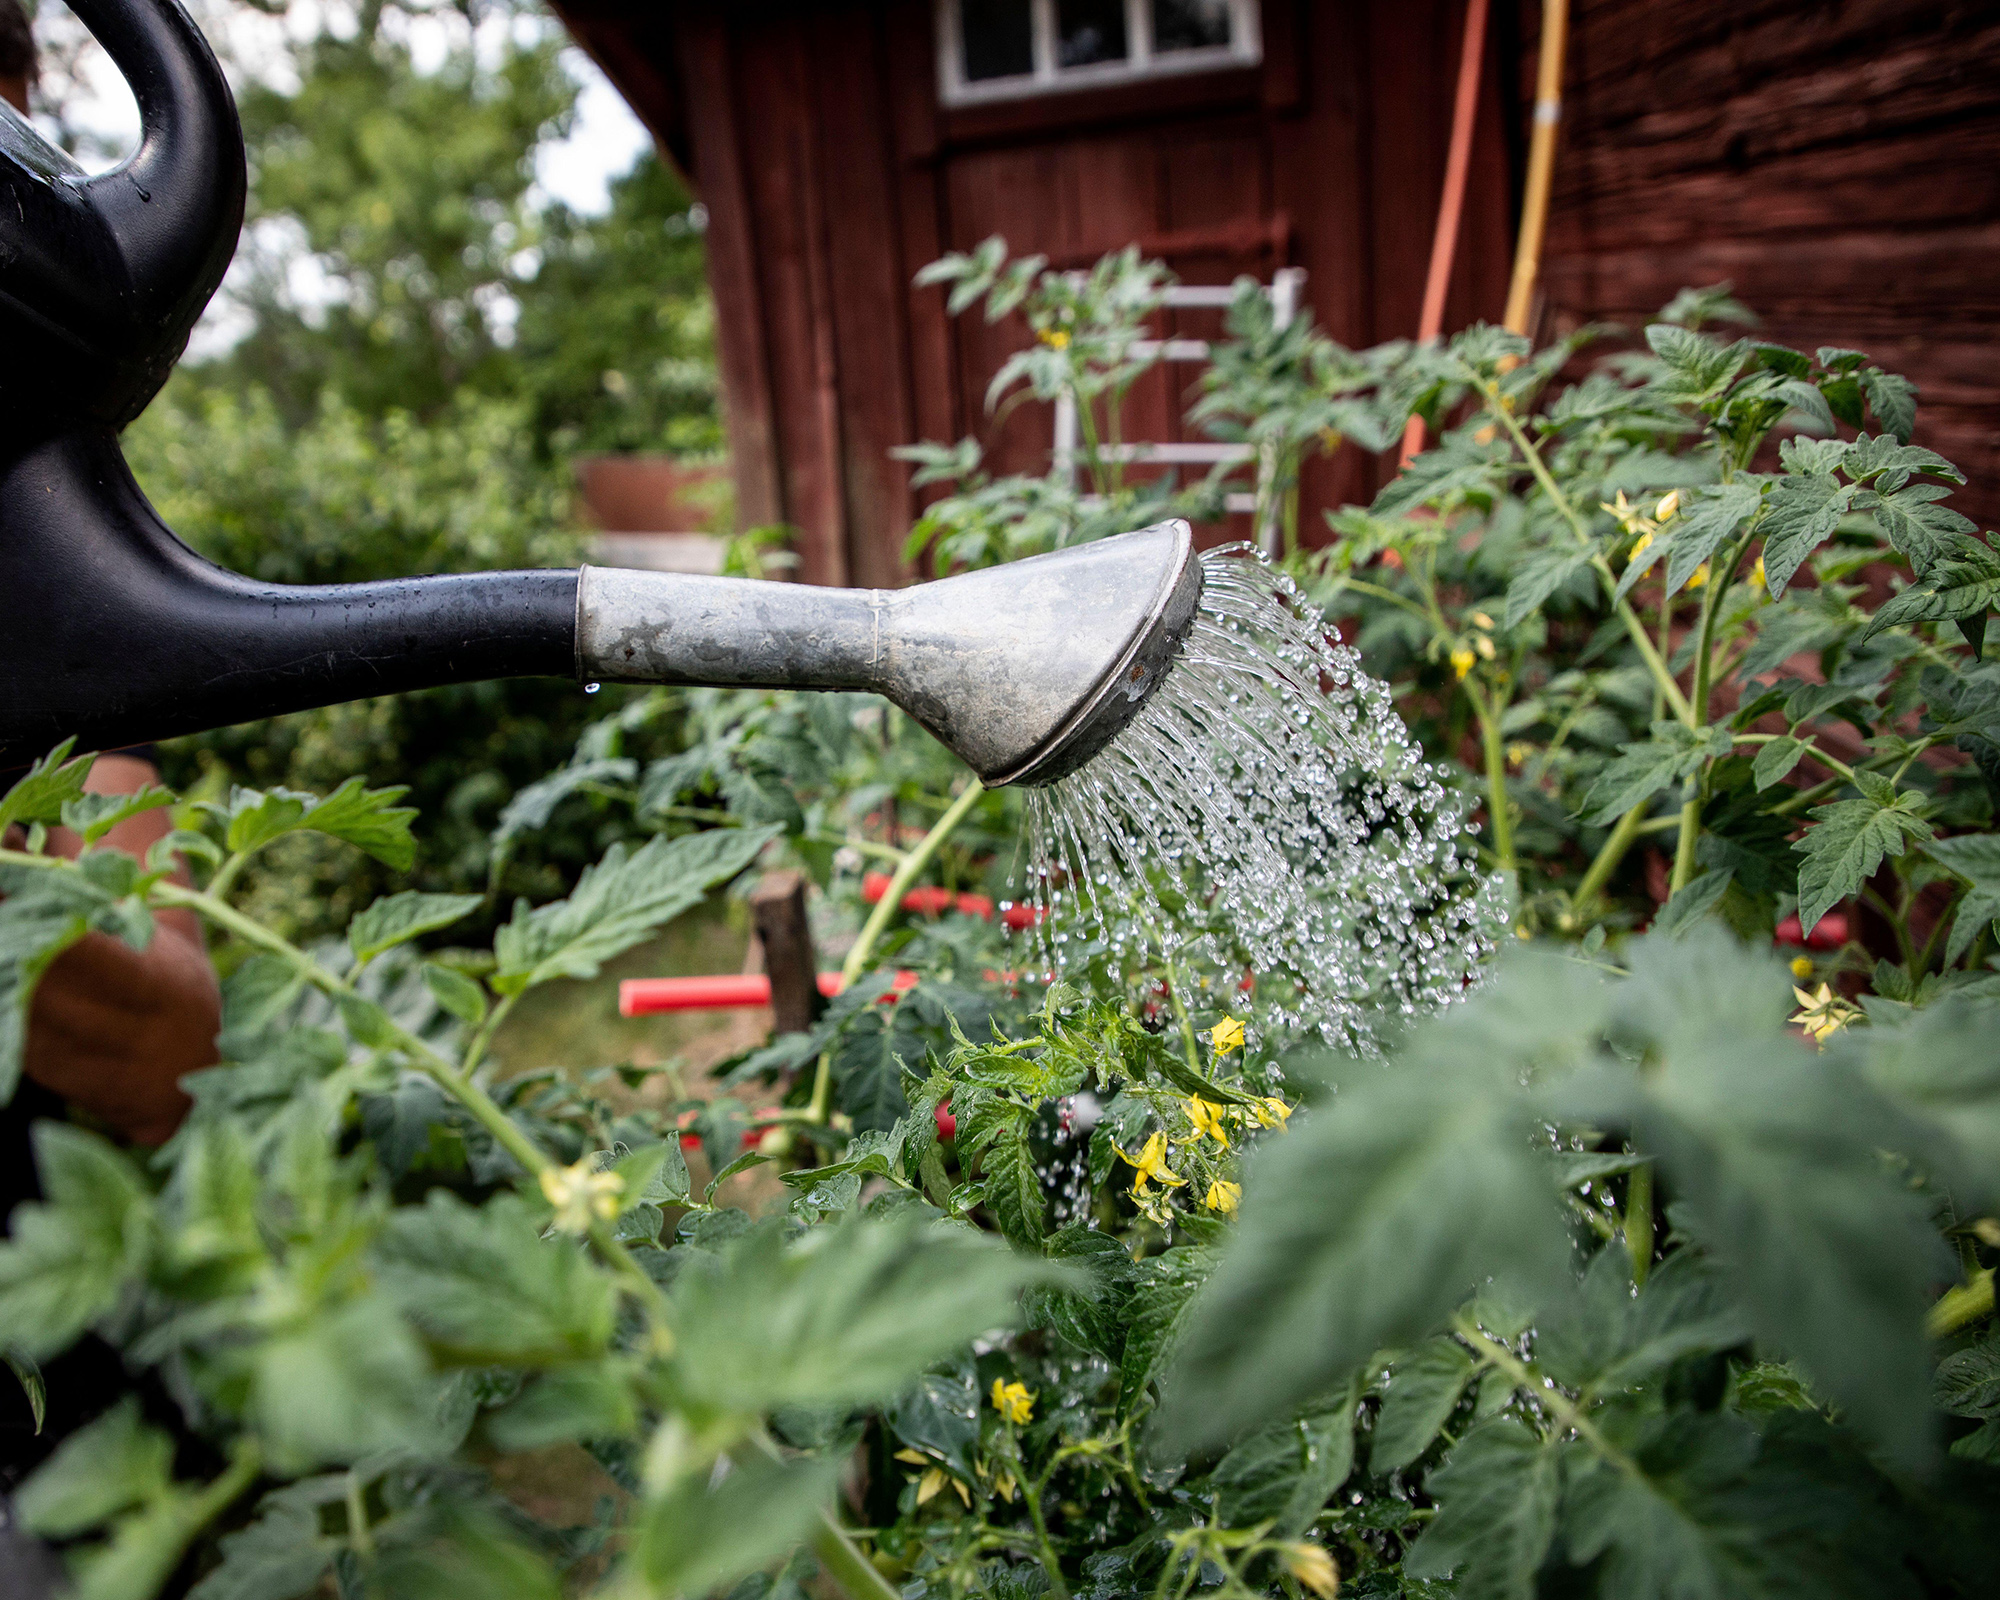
x=732 y=248
x=866 y=300
x=778 y=912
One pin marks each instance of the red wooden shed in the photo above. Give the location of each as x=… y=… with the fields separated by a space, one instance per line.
x=1837 y=161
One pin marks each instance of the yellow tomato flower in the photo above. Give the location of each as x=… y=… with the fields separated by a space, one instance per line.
x=1802 y=966
x=1055 y=338
x=1518 y=754
x=1481 y=620
x=1823 y=1013
x=1462 y=659
x=1207 y=1119
x=1226 y=1035
x=1757 y=574
x=1271 y=1111
x=1151 y=1162
x=1014 y=1402
x=1670 y=503
x=579 y=1193
x=1624 y=511
x=1639 y=549
x=1004 y=1486
x=1314 y=1568
x=1223 y=1196
x=1698 y=577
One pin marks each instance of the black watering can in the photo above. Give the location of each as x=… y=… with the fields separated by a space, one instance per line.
x=114 y=631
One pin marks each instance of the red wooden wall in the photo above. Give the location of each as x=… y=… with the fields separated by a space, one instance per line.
x=832 y=174
x=1839 y=162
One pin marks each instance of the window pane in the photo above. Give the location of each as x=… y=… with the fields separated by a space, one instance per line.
x=1190 y=24
x=999 y=39
x=1089 y=31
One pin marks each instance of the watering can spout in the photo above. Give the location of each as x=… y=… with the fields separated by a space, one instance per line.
x=113 y=631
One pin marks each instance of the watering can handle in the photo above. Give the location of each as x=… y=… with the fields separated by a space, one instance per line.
x=102 y=278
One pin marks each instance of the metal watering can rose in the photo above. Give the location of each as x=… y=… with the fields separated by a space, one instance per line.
x=113 y=630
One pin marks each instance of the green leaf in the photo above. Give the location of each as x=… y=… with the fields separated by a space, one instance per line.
x=488 y=1290
x=114 y=1464
x=1801 y=514
x=848 y=1315
x=1775 y=760
x=398 y=917
x=28 y=1373
x=1714 y=516
x=45 y=788
x=1893 y=399
x=1496 y=1497
x=1607 y=1339
x=1955 y=589
x=43 y=911
x=1939 y=1065
x=457 y=993
x=532 y=806
x=654 y=1174
x=694 y=1539
x=1698 y=1508
x=1540 y=576
x=1361 y=1229
x=1424 y=1389
x=1968 y=1381
x=71 y=1255
x=1014 y=1188
x=1644 y=768
x=1849 y=841
x=584 y=1402
x=283 y=1554
x=1285 y=1473
x=95 y=815
x=350 y=1381
x=1775 y=1156
x=617 y=903
x=1919 y=527
x=1157 y=1316
x=1694 y=900
x=1976 y=858
x=368 y=818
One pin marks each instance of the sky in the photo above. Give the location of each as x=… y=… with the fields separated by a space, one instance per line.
x=605 y=141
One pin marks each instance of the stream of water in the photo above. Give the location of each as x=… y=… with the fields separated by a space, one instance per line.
x=1267 y=817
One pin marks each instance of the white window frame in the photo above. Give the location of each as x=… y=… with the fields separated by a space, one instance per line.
x=1245 y=49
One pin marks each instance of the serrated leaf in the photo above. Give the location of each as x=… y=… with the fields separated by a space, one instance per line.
x=694 y=1538
x=1954 y=590
x=114 y=1464
x=1694 y=900
x=1497 y=1494
x=1968 y=1381
x=95 y=815
x=1847 y=844
x=347 y=1383
x=1801 y=514
x=41 y=792
x=282 y=1554
x=71 y=1254
x=367 y=818
x=1157 y=1316
x=488 y=1290
x=1715 y=515
x=1540 y=576
x=1644 y=768
x=43 y=911
x=1607 y=1339
x=1918 y=526
x=1424 y=1389
x=617 y=903
x=850 y=1314
x=396 y=918
x=457 y=993
x=1775 y=760
x=1285 y=1473
x=1893 y=399
x=1360 y=1230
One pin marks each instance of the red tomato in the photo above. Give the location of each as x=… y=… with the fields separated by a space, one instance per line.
x=947 y=1124
x=975 y=905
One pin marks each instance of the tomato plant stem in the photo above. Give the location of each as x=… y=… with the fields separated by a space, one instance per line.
x=1639 y=1222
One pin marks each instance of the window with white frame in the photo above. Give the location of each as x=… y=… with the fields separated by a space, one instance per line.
x=1005 y=49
